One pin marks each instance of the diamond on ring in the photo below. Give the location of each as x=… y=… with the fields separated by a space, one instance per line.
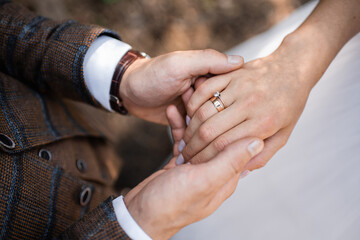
x=216 y=94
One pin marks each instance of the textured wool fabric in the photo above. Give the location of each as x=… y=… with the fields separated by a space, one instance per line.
x=103 y=225
x=46 y=57
x=41 y=65
x=44 y=54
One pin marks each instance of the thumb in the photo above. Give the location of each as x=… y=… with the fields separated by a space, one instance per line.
x=232 y=160
x=202 y=62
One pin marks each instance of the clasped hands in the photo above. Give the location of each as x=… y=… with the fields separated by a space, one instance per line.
x=263 y=100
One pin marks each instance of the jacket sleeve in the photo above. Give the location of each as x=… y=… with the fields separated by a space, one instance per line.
x=100 y=223
x=46 y=55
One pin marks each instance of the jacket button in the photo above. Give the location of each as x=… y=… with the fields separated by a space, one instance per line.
x=45 y=154
x=81 y=165
x=85 y=196
x=6 y=141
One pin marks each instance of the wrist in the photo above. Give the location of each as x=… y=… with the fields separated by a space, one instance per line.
x=142 y=220
x=318 y=40
x=126 y=221
x=150 y=220
x=129 y=84
x=305 y=58
x=125 y=62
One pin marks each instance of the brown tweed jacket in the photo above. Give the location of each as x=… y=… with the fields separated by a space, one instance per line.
x=57 y=168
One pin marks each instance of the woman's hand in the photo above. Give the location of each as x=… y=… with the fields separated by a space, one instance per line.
x=150 y=85
x=264 y=99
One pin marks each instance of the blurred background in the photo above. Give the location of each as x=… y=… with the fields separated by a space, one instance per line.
x=157 y=27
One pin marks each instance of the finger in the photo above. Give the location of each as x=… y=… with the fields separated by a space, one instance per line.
x=199 y=81
x=205 y=91
x=187 y=95
x=209 y=130
x=202 y=62
x=206 y=111
x=170 y=164
x=272 y=145
x=245 y=129
x=230 y=162
x=177 y=124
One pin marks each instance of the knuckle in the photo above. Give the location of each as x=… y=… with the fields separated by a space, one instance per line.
x=221 y=143
x=209 y=51
x=268 y=122
x=197 y=160
x=254 y=98
x=236 y=166
x=204 y=156
x=187 y=136
x=257 y=62
x=202 y=114
x=191 y=108
x=172 y=60
x=261 y=164
x=203 y=90
x=206 y=133
x=187 y=152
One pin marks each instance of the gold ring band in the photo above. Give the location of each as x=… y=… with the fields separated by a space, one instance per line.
x=218 y=103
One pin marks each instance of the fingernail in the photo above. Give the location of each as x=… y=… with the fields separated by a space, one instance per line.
x=255 y=147
x=180 y=159
x=234 y=59
x=187 y=119
x=181 y=145
x=244 y=174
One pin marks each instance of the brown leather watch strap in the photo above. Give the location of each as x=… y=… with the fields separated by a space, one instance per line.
x=116 y=102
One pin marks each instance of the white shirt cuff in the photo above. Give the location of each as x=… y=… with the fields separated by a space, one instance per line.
x=99 y=66
x=128 y=224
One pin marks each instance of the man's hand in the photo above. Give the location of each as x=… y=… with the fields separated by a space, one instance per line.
x=175 y=197
x=150 y=85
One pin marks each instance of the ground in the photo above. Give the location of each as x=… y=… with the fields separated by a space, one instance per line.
x=160 y=26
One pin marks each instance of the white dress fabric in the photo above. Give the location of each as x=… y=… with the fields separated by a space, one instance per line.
x=311 y=187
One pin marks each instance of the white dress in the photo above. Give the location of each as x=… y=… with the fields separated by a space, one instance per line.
x=310 y=189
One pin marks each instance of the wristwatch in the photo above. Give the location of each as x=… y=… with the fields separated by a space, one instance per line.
x=116 y=102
